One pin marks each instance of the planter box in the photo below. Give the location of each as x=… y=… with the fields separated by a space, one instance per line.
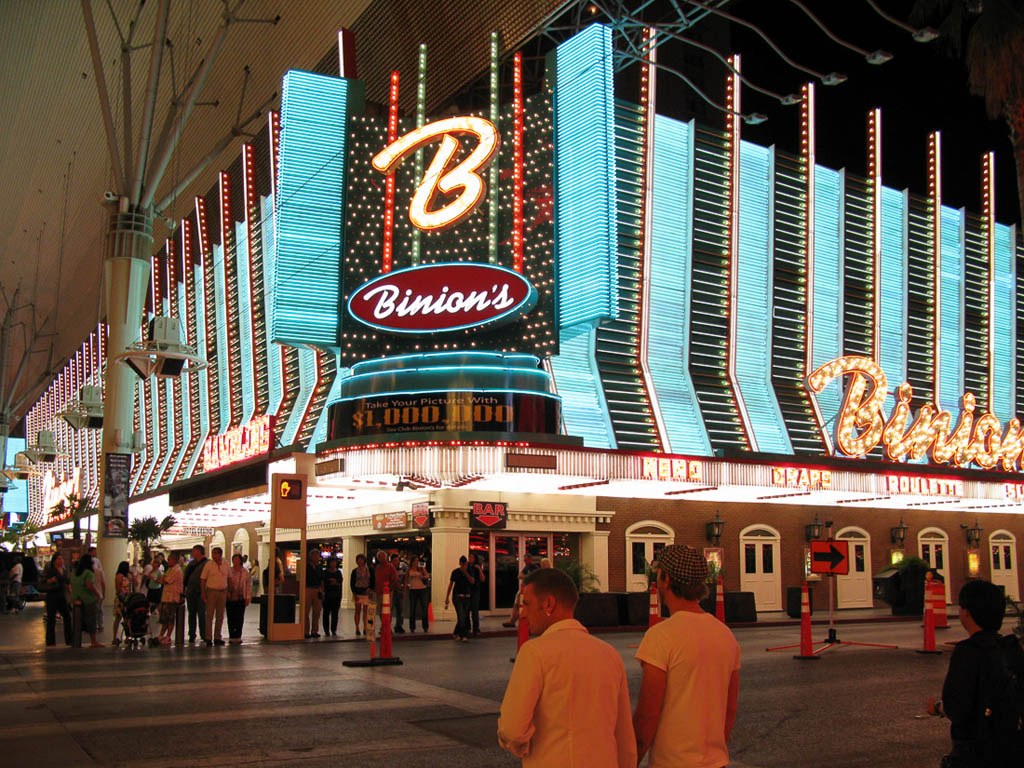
x=598 y=609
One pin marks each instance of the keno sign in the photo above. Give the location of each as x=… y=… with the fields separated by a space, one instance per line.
x=433 y=298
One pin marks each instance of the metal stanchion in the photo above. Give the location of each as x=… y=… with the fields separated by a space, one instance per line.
x=76 y=624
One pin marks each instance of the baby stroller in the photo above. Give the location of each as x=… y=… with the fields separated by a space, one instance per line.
x=134 y=620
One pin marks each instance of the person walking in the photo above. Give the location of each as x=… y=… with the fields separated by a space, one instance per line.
x=417 y=581
x=528 y=567
x=477 y=571
x=384 y=573
x=461 y=583
x=193 y=584
x=238 y=597
x=333 y=580
x=172 y=583
x=361 y=583
x=101 y=585
x=314 y=595
x=398 y=594
x=122 y=588
x=85 y=594
x=57 y=591
x=567 y=701
x=691 y=664
x=214 y=581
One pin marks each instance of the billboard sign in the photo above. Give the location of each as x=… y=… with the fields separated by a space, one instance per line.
x=116 y=489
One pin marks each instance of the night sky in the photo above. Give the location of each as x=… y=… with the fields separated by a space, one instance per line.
x=921 y=89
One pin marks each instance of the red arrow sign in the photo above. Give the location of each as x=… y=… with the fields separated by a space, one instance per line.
x=832 y=557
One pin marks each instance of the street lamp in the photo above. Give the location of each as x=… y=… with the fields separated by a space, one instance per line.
x=813 y=530
x=973 y=534
x=898 y=533
x=713 y=528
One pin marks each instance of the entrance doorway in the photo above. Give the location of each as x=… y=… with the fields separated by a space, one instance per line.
x=644 y=542
x=503 y=556
x=854 y=589
x=1003 y=546
x=759 y=569
x=933 y=547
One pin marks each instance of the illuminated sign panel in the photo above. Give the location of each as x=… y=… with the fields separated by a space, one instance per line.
x=924 y=486
x=655 y=468
x=391 y=521
x=239 y=443
x=801 y=477
x=862 y=425
x=55 y=492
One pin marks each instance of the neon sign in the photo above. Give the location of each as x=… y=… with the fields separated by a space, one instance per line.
x=438 y=177
x=687 y=470
x=801 y=477
x=56 y=492
x=862 y=425
x=924 y=486
x=239 y=443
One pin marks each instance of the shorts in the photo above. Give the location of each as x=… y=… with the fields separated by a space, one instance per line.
x=362 y=599
x=88 y=614
x=168 y=613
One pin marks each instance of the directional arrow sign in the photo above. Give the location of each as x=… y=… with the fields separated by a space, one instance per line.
x=831 y=557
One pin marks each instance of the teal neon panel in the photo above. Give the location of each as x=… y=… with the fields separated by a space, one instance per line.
x=274 y=376
x=167 y=397
x=578 y=381
x=245 y=323
x=668 y=334
x=203 y=377
x=585 y=193
x=307 y=384
x=186 y=413
x=310 y=208
x=154 y=425
x=223 y=358
x=951 y=292
x=320 y=431
x=892 y=354
x=827 y=330
x=1004 y=326
x=754 y=300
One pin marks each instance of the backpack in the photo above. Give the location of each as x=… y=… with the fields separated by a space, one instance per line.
x=1001 y=704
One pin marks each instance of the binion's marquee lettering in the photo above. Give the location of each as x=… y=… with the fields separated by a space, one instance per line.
x=239 y=443
x=438 y=177
x=862 y=424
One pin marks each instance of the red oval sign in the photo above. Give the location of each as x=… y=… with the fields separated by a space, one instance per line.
x=434 y=298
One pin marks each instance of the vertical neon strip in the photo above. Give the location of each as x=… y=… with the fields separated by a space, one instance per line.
x=517 y=162
x=389 y=188
x=875 y=179
x=421 y=119
x=275 y=149
x=935 y=201
x=252 y=213
x=988 y=215
x=648 y=101
x=732 y=104
x=492 y=191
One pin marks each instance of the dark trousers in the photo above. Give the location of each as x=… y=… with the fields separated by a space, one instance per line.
x=235 y=610
x=462 y=604
x=397 y=604
x=332 y=603
x=474 y=611
x=196 y=612
x=418 y=600
x=56 y=606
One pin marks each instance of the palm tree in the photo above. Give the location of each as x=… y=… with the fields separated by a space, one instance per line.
x=146 y=531
x=18 y=537
x=77 y=507
x=989 y=35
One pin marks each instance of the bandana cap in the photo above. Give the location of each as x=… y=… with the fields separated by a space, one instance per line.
x=683 y=565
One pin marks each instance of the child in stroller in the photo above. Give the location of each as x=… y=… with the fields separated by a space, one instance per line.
x=134 y=620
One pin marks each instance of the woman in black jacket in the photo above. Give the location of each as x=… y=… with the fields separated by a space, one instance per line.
x=56 y=587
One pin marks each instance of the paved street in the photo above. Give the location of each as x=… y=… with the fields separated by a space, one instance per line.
x=297 y=705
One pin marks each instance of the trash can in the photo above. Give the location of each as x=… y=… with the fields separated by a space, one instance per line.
x=284 y=611
x=793 y=598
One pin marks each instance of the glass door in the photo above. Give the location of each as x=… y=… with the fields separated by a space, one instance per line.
x=480 y=545
x=505 y=583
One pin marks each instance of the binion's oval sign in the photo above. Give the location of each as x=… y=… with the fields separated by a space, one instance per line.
x=433 y=298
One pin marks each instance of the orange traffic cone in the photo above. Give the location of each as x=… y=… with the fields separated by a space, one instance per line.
x=806 y=644
x=720 y=601
x=430 y=614
x=385 y=657
x=655 y=614
x=522 y=636
x=385 y=623
x=939 y=610
x=929 y=624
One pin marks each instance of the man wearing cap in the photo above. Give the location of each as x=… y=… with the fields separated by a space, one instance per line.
x=567 y=702
x=691 y=672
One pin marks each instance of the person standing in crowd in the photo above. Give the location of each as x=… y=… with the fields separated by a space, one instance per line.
x=245 y=563
x=170 y=597
x=384 y=573
x=417 y=580
x=477 y=572
x=314 y=594
x=528 y=567
x=333 y=581
x=238 y=597
x=255 y=572
x=101 y=585
x=461 y=583
x=567 y=702
x=214 y=581
x=122 y=588
x=691 y=664
x=154 y=585
x=361 y=582
x=56 y=588
x=138 y=585
x=976 y=675
x=398 y=594
x=193 y=579
x=14 y=577
x=85 y=593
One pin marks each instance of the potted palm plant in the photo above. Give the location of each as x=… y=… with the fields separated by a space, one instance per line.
x=146 y=531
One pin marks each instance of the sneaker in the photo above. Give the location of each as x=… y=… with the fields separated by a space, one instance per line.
x=399 y=631
x=191 y=641
x=315 y=634
x=218 y=642
x=357 y=633
x=464 y=639
x=208 y=643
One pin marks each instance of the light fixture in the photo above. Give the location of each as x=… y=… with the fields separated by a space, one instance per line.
x=925 y=35
x=162 y=354
x=973 y=534
x=833 y=78
x=878 y=57
x=813 y=530
x=87 y=411
x=898 y=533
x=791 y=98
x=713 y=528
x=43 y=450
x=755 y=118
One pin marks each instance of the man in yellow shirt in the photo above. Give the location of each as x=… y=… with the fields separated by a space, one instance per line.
x=567 y=702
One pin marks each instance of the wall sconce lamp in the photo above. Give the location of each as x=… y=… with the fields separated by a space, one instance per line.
x=973 y=534
x=813 y=530
x=713 y=529
x=898 y=533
